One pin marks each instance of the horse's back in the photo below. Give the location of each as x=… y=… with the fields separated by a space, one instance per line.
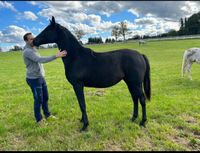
x=192 y=54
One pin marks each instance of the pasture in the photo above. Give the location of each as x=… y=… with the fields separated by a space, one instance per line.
x=173 y=115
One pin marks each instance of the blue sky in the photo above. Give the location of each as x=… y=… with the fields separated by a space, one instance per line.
x=95 y=18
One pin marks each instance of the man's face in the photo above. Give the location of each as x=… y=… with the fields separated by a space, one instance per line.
x=30 y=40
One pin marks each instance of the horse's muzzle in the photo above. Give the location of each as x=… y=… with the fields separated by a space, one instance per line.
x=35 y=43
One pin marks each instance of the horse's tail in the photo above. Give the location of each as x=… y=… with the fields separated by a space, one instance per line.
x=147 y=80
x=184 y=62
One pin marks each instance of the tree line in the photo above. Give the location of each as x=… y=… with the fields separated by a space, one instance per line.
x=188 y=26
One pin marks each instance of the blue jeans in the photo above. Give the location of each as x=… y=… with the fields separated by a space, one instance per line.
x=40 y=95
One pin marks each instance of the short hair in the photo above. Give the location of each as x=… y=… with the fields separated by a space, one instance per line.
x=26 y=36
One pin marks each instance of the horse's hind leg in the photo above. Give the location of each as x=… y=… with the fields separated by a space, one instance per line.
x=135 y=101
x=143 y=104
x=137 y=93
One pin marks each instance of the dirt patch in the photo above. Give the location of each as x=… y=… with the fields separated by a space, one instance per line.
x=144 y=144
x=187 y=118
x=98 y=92
x=112 y=146
x=183 y=141
x=186 y=139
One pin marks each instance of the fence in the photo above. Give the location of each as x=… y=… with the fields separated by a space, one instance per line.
x=174 y=38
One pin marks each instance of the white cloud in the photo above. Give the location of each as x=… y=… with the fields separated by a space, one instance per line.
x=79 y=17
x=87 y=29
x=12 y=34
x=134 y=12
x=30 y=15
x=1 y=34
x=86 y=12
x=40 y=4
x=105 y=26
x=190 y=8
x=65 y=5
x=94 y=19
x=164 y=9
x=146 y=21
x=4 y=4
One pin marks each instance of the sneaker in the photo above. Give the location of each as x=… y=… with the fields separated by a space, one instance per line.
x=41 y=122
x=51 y=117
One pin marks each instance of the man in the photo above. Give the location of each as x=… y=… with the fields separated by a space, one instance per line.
x=35 y=76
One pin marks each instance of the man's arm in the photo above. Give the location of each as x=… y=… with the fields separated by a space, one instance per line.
x=34 y=57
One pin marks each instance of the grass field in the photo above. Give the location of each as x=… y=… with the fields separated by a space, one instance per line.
x=173 y=113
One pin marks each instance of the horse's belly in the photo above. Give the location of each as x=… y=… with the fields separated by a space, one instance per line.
x=102 y=82
x=100 y=85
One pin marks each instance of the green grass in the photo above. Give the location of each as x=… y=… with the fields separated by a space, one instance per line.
x=173 y=113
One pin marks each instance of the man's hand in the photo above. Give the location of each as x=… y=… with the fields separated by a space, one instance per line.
x=61 y=53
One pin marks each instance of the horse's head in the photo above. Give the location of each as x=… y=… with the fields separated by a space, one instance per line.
x=48 y=35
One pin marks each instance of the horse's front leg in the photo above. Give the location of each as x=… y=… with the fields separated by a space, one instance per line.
x=189 y=70
x=78 y=88
x=184 y=69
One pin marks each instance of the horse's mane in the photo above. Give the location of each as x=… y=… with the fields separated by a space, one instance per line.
x=74 y=41
x=69 y=35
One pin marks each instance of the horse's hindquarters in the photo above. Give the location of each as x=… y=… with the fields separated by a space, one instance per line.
x=134 y=67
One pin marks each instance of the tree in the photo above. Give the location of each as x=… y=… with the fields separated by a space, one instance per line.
x=182 y=23
x=113 y=40
x=186 y=26
x=116 y=32
x=172 y=33
x=95 y=40
x=79 y=33
x=16 y=48
x=191 y=25
x=123 y=29
x=0 y=49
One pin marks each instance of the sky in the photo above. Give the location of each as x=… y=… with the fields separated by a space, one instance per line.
x=95 y=18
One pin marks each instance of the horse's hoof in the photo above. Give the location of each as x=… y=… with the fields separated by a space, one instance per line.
x=142 y=124
x=133 y=119
x=83 y=129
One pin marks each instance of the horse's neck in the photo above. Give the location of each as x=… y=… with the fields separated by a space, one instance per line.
x=70 y=44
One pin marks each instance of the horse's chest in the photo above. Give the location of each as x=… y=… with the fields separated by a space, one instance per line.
x=74 y=72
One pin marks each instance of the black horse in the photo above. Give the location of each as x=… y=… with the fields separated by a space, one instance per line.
x=86 y=68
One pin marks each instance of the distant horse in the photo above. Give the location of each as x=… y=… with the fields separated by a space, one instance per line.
x=141 y=42
x=86 y=68
x=190 y=56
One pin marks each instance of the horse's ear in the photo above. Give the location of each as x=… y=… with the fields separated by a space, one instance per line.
x=53 y=22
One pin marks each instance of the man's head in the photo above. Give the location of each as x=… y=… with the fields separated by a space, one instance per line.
x=28 y=38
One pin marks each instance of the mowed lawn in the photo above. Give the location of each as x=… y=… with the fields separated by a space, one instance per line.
x=173 y=114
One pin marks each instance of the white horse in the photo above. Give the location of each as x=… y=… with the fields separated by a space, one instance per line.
x=189 y=57
x=141 y=42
